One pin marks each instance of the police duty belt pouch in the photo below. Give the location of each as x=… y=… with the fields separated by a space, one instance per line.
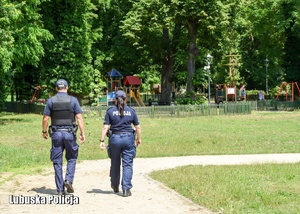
x=109 y=133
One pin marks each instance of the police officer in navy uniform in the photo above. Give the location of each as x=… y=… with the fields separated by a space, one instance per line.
x=63 y=110
x=121 y=143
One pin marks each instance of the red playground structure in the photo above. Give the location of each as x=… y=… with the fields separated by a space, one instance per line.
x=287 y=89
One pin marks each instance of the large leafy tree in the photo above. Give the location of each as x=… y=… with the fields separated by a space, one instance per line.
x=150 y=27
x=169 y=21
x=249 y=30
x=227 y=53
x=28 y=48
x=263 y=37
x=113 y=51
x=200 y=17
x=69 y=54
x=22 y=34
x=135 y=36
x=8 y=14
x=290 y=10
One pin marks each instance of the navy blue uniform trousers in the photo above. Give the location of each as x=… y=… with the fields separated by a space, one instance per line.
x=63 y=141
x=122 y=147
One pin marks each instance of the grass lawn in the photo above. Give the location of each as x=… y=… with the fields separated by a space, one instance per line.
x=263 y=188
x=227 y=189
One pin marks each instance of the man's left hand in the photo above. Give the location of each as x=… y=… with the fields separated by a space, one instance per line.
x=45 y=135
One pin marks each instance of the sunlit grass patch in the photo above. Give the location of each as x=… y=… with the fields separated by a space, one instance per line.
x=267 y=188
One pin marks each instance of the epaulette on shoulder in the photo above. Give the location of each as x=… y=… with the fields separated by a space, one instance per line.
x=109 y=108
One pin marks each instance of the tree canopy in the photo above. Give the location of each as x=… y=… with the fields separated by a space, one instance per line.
x=162 y=41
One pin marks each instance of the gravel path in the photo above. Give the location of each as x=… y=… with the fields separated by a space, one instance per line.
x=94 y=195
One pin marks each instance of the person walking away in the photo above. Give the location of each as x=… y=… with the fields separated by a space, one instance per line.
x=121 y=143
x=63 y=110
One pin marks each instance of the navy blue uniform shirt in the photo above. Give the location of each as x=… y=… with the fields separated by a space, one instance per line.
x=118 y=123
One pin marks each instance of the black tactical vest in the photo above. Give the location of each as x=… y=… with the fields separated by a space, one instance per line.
x=61 y=114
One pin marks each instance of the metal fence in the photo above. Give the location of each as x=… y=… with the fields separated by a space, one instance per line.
x=19 y=107
x=230 y=108
x=180 y=110
x=274 y=105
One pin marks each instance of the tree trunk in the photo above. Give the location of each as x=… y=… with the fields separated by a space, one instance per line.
x=192 y=52
x=167 y=70
x=166 y=80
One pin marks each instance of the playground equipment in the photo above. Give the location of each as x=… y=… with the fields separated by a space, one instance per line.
x=37 y=93
x=113 y=79
x=286 y=88
x=132 y=89
x=229 y=93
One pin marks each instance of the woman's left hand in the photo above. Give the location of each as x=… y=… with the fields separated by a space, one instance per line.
x=102 y=145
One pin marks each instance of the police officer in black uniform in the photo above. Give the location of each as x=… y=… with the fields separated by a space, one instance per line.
x=63 y=110
x=121 y=144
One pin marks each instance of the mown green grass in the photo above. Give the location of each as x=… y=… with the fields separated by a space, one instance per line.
x=227 y=189
x=21 y=142
x=267 y=188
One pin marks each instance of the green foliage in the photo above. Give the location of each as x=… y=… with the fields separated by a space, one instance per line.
x=264 y=29
x=43 y=40
x=97 y=86
x=28 y=47
x=69 y=55
x=114 y=50
x=157 y=43
x=151 y=76
x=21 y=38
x=187 y=99
x=290 y=12
x=8 y=13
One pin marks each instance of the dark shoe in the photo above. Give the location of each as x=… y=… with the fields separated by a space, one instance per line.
x=69 y=187
x=116 y=189
x=126 y=193
x=61 y=193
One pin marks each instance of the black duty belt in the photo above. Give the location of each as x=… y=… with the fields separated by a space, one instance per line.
x=121 y=132
x=62 y=130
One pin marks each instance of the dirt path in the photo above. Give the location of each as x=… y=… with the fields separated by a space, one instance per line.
x=94 y=195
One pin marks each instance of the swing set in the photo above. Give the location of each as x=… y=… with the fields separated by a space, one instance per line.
x=287 y=90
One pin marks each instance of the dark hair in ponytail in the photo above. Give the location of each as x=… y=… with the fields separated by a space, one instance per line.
x=120 y=105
